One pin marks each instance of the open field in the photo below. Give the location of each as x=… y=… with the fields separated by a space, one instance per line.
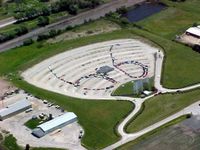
x=168 y=104
x=124 y=89
x=88 y=29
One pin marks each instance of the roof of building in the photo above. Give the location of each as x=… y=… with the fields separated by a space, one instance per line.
x=194 y=30
x=14 y=107
x=105 y=69
x=57 y=121
x=38 y=132
x=147 y=92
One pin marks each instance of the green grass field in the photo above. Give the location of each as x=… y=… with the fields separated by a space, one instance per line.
x=124 y=90
x=160 y=107
x=33 y=123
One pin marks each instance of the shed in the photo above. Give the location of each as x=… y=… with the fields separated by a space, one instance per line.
x=54 y=124
x=14 y=109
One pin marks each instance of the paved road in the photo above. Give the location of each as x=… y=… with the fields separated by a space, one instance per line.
x=7 y=21
x=76 y=20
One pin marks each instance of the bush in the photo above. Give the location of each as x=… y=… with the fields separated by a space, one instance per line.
x=43 y=20
x=68 y=28
x=42 y=37
x=21 y=30
x=28 y=42
x=122 y=10
x=124 y=21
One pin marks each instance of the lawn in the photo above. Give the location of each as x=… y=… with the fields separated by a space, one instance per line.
x=160 y=107
x=10 y=143
x=127 y=89
x=33 y=123
x=124 y=90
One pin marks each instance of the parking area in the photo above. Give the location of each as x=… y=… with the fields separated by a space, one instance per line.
x=67 y=137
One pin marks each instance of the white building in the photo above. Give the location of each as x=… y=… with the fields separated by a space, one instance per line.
x=194 y=31
x=14 y=109
x=54 y=124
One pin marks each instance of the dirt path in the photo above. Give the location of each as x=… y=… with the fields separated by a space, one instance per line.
x=76 y=20
x=7 y=21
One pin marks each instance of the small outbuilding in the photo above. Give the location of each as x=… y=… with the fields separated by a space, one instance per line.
x=14 y=109
x=54 y=124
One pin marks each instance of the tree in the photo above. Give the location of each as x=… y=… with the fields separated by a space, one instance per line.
x=1 y=2
x=73 y=9
x=45 y=11
x=43 y=20
x=122 y=10
x=21 y=30
x=28 y=42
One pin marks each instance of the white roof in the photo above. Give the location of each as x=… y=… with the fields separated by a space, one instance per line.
x=14 y=107
x=147 y=92
x=194 y=30
x=57 y=121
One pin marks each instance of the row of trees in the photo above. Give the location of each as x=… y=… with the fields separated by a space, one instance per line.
x=71 y=6
x=17 y=32
x=41 y=21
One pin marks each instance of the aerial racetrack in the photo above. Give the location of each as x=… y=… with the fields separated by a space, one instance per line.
x=95 y=70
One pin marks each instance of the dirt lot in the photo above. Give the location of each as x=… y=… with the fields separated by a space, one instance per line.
x=178 y=137
x=100 y=26
x=5 y=86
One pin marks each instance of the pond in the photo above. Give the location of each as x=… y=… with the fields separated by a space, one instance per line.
x=144 y=10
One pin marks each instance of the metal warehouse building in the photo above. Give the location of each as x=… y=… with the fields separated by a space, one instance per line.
x=54 y=124
x=14 y=109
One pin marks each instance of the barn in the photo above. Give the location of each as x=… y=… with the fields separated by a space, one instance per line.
x=54 y=124
x=14 y=109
